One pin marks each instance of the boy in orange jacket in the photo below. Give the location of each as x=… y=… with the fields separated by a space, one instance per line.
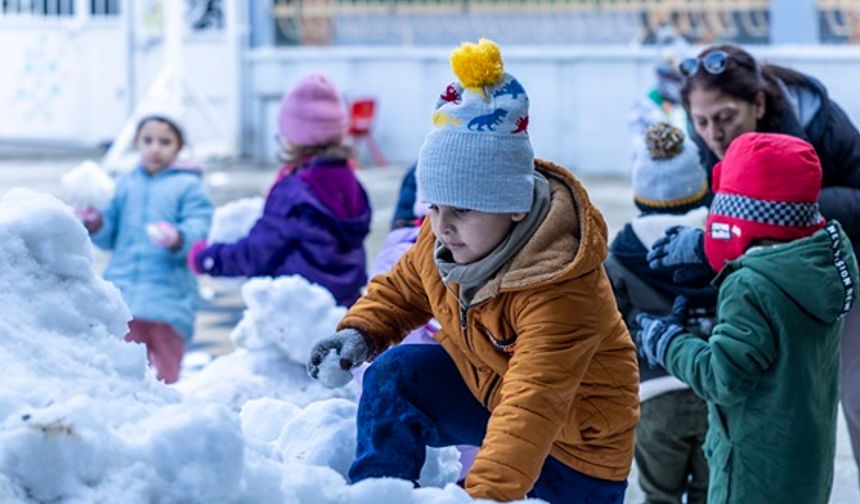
x=535 y=364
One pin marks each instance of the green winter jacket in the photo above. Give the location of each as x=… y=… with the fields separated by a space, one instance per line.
x=770 y=370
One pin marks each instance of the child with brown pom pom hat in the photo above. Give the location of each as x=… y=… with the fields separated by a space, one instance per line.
x=534 y=362
x=670 y=188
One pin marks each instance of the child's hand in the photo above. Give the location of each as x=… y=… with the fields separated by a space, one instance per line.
x=334 y=356
x=164 y=234
x=196 y=248
x=90 y=218
x=682 y=252
x=657 y=332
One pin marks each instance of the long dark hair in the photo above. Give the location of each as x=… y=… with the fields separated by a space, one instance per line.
x=744 y=78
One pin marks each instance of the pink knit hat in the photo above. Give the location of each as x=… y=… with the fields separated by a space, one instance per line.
x=312 y=113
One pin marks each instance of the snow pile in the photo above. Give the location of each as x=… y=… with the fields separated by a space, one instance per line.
x=283 y=319
x=266 y=379
x=233 y=221
x=83 y=420
x=287 y=313
x=87 y=185
x=80 y=415
x=323 y=434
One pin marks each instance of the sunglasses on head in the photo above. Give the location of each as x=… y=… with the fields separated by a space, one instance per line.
x=714 y=63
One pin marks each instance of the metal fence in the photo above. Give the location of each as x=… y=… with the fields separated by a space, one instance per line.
x=57 y=8
x=335 y=22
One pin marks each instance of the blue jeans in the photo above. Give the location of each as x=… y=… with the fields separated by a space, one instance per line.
x=414 y=397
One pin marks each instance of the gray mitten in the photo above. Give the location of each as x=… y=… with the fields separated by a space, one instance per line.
x=334 y=356
x=681 y=252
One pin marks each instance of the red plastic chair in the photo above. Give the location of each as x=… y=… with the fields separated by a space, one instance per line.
x=362 y=112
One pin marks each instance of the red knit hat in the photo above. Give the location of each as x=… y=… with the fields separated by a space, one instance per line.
x=766 y=187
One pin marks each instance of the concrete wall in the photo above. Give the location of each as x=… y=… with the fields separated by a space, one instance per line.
x=580 y=96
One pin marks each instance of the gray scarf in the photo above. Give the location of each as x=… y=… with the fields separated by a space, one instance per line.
x=471 y=277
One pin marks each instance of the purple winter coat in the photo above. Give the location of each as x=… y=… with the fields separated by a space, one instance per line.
x=314 y=224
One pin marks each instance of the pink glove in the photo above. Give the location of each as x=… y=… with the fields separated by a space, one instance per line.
x=164 y=234
x=90 y=218
x=192 y=256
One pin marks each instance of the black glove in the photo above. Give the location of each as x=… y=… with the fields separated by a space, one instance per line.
x=334 y=356
x=656 y=333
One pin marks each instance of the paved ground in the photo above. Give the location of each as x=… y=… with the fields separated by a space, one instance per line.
x=219 y=314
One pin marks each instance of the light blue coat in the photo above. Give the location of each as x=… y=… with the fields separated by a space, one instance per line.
x=156 y=283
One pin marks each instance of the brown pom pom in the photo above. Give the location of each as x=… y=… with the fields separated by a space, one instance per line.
x=664 y=141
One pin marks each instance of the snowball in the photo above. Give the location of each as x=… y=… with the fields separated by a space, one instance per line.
x=87 y=185
x=331 y=373
x=233 y=221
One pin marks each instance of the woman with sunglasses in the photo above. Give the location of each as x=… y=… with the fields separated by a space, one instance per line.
x=726 y=93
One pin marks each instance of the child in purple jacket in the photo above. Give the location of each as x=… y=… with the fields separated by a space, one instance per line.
x=316 y=215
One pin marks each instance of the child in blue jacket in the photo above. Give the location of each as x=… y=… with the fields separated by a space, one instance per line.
x=157 y=213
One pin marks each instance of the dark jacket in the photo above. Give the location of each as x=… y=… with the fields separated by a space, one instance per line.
x=404 y=212
x=314 y=224
x=640 y=289
x=770 y=370
x=814 y=117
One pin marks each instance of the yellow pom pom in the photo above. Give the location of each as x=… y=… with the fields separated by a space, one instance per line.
x=478 y=65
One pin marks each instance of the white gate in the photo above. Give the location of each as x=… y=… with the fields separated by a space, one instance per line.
x=65 y=77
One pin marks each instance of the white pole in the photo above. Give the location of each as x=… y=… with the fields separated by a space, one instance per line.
x=173 y=33
x=234 y=31
x=82 y=11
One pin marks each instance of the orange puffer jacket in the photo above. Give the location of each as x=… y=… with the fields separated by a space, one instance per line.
x=542 y=346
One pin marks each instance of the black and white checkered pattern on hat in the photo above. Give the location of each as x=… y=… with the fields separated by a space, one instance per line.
x=779 y=213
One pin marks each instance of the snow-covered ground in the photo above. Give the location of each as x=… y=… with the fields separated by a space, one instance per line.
x=82 y=418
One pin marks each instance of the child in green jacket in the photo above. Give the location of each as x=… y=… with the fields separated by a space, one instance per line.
x=770 y=370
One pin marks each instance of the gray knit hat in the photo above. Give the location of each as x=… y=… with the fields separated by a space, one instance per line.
x=667 y=173
x=478 y=155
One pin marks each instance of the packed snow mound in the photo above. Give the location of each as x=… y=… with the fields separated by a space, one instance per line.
x=323 y=434
x=288 y=314
x=73 y=393
x=87 y=185
x=62 y=326
x=283 y=319
x=234 y=220
x=241 y=376
x=83 y=420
